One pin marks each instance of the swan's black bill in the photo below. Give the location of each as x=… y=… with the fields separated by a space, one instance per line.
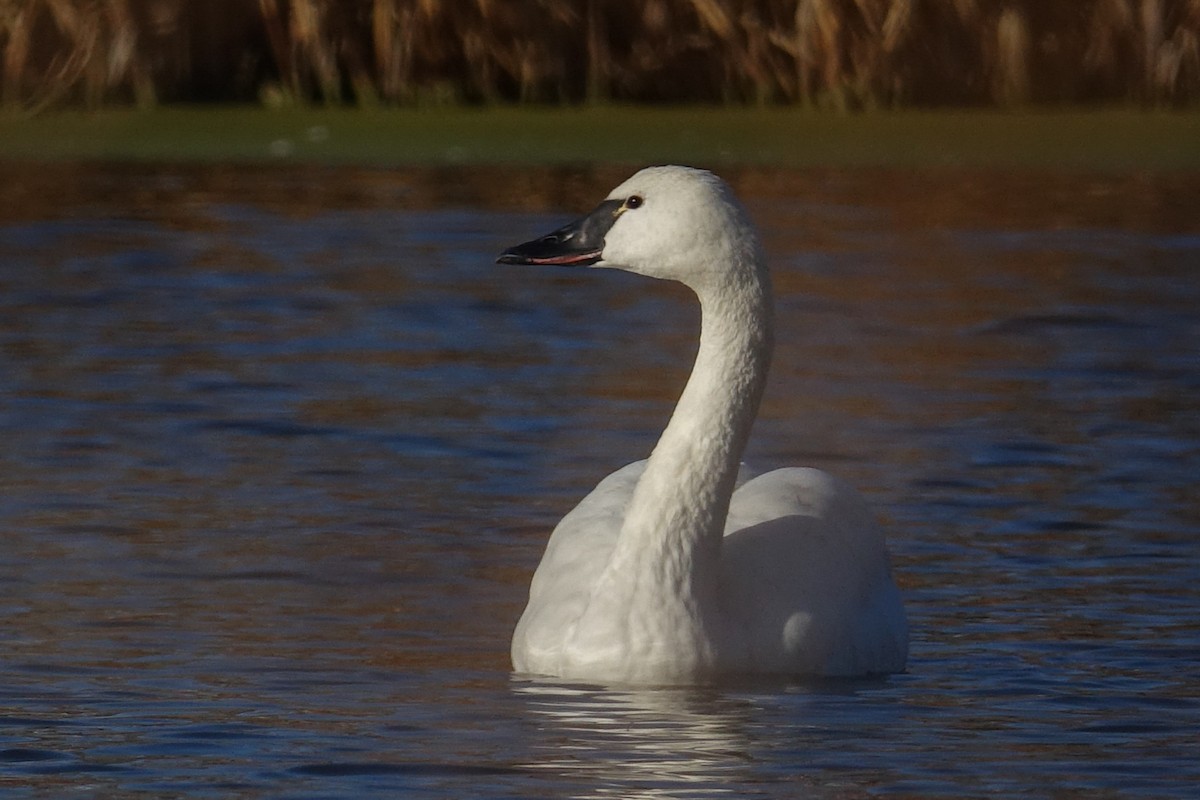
x=579 y=244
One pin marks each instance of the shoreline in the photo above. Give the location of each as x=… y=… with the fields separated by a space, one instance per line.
x=1101 y=140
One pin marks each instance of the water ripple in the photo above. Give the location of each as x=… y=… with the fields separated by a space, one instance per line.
x=276 y=472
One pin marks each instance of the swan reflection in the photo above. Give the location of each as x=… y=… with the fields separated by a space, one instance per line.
x=680 y=742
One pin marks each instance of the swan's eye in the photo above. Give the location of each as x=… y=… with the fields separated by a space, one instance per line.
x=634 y=201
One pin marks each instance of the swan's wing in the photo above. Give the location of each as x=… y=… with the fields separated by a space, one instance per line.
x=576 y=554
x=795 y=490
x=580 y=546
x=807 y=580
x=583 y=540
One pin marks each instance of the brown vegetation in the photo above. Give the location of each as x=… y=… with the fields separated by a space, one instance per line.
x=828 y=53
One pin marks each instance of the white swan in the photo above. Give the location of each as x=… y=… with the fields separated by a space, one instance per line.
x=678 y=569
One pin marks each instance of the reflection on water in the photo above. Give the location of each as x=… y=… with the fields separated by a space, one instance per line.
x=630 y=743
x=281 y=449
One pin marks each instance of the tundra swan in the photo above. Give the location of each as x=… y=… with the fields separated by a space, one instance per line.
x=680 y=568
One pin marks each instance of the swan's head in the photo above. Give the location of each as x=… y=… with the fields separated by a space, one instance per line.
x=676 y=223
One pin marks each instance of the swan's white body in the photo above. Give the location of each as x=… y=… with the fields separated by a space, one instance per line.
x=678 y=569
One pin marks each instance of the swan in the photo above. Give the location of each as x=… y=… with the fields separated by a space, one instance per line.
x=682 y=568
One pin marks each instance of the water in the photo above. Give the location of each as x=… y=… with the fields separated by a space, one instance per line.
x=281 y=449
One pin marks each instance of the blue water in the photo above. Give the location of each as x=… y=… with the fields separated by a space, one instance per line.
x=281 y=449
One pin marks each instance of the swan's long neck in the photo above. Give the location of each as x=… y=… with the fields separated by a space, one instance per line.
x=667 y=554
x=682 y=499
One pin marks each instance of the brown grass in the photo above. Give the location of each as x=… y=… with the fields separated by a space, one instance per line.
x=842 y=54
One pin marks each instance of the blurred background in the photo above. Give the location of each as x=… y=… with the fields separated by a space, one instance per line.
x=839 y=54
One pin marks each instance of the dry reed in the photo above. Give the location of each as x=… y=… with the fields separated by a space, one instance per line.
x=842 y=54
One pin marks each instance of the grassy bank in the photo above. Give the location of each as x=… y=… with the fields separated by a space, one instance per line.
x=1084 y=140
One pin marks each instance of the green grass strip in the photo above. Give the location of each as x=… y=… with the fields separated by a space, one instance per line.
x=1099 y=140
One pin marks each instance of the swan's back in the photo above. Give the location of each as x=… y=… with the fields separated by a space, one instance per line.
x=805 y=584
x=806 y=579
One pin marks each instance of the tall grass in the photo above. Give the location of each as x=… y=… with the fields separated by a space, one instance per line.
x=843 y=54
